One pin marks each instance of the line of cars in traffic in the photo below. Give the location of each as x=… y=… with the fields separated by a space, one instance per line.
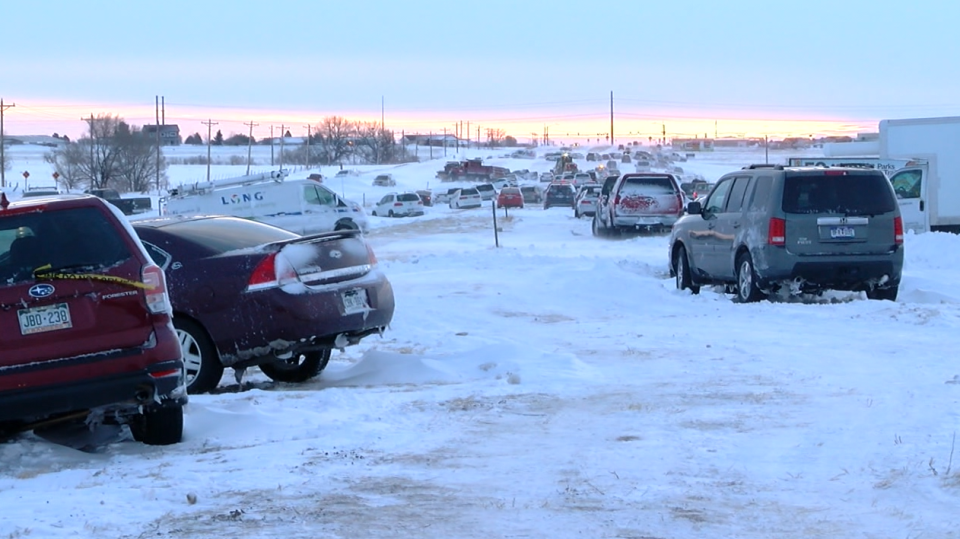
x=105 y=321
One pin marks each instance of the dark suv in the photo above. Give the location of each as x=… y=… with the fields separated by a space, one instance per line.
x=85 y=322
x=768 y=229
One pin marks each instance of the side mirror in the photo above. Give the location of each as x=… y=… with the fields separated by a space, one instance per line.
x=694 y=208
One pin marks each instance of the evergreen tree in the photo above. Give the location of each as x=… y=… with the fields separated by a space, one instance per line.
x=218 y=139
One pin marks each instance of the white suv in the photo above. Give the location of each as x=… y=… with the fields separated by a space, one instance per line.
x=399 y=205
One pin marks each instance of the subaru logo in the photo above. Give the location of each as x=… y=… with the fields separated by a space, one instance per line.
x=41 y=290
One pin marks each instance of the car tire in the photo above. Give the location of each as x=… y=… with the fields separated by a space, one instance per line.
x=200 y=358
x=346 y=225
x=390 y=214
x=159 y=426
x=747 y=291
x=374 y=213
x=681 y=269
x=880 y=294
x=598 y=230
x=309 y=365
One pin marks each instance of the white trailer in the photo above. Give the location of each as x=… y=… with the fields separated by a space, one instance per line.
x=304 y=206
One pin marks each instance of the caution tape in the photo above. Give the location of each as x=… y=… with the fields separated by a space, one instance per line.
x=91 y=277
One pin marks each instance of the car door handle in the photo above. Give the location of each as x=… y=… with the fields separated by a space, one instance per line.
x=711 y=226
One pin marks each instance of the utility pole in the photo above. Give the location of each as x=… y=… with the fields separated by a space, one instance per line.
x=663 y=140
x=611 y=117
x=209 y=124
x=3 y=175
x=251 y=125
x=283 y=129
x=468 y=134
x=382 y=131
x=430 y=143
x=271 y=146
x=157 y=112
x=444 y=141
x=478 y=136
x=309 y=132
x=93 y=179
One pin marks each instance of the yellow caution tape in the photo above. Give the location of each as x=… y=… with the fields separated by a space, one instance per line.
x=91 y=277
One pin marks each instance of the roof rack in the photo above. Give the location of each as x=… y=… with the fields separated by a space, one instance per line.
x=762 y=165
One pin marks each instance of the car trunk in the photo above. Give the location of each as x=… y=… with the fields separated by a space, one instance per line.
x=328 y=258
x=848 y=214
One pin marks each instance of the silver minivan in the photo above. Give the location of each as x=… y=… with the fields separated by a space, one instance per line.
x=772 y=229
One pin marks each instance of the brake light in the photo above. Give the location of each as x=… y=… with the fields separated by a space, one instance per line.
x=898 y=230
x=616 y=200
x=834 y=172
x=272 y=272
x=395 y=204
x=679 y=204
x=777 y=232
x=371 y=256
x=158 y=301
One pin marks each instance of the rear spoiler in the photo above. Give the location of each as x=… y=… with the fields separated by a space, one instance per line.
x=316 y=238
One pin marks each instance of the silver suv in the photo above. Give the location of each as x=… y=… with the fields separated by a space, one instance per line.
x=772 y=229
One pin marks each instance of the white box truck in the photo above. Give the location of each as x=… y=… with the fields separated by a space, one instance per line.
x=929 y=187
x=304 y=206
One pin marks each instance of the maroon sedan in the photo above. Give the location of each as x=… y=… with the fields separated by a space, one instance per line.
x=245 y=293
x=510 y=197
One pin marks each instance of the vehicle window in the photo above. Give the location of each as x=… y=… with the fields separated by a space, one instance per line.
x=906 y=184
x=647 y=185
x=469 y=192
x=761 y=193
x=311 y=195
x=735 y=200
x=226 y=234
x=851 y=194
x=159 y=256
x=385 y=199
x=327 y=197
x=408 y=197
x=76 y=238
x=718 y=197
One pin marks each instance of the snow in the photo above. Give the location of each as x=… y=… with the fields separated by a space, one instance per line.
x=556 y=386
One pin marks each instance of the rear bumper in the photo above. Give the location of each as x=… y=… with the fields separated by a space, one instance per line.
x=645 y=221
x=123 y=393
x=273 y=323
x=830 y=272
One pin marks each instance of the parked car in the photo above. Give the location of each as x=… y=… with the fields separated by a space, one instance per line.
x=581 y=178
x=501 y=183
x=426 y=196
x=40 y=192
x=558 y=194
x=445 y=197
x=399 y=205
x=585 y=201
x=591 y=156
x=85 y=331
x=510 y=197
x=465 y=198
x=650 y=202
x=250 y=294
x=487 y=191
x=384 y=180
x=532 y=194
x=775 y=229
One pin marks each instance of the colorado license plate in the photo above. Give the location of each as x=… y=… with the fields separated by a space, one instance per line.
x=355 y=301
x=46 y=318
x=842 y=232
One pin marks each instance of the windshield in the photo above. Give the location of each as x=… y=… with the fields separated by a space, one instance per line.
x=849 y=194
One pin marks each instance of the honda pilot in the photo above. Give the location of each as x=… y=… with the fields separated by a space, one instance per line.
x=774 y=229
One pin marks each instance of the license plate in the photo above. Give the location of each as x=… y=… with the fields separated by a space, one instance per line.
x=46 y=318
x=842 y=232
x=355 y=301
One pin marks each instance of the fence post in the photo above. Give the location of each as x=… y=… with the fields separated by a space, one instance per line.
x=496 y=234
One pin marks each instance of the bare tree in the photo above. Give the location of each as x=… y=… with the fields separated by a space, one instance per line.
x=137 y=166
x=375 y=144
x=495 y=136
x=111 y=155
x=333 y=138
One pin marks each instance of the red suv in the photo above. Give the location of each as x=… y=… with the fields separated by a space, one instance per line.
x=85 y=322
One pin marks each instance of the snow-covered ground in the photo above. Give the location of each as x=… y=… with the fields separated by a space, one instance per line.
x=556 y=386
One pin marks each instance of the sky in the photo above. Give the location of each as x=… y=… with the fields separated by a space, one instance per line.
x=735 y=68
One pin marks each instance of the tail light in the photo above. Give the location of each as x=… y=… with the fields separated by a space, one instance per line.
x=679 y=204
x=616 y=200
x=898 y=230
x=272 y=272
x=777 y=232
x=371 y=256
x=156 y=292
x=397 y=204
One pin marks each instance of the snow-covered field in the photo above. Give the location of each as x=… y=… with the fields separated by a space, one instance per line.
x=556 y=386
